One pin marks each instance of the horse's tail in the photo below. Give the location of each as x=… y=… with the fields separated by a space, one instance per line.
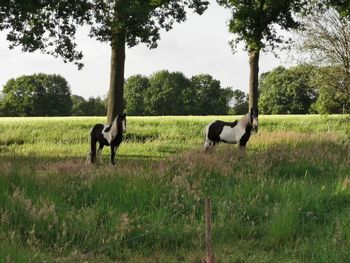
x=205 y=131
x=91 y=158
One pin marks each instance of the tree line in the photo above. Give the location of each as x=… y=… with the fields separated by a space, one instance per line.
x=162 y=93
x=301 y=89
x=50 y=26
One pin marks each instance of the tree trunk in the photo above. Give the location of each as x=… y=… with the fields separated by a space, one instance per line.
x=253 y=79
x=116 y=85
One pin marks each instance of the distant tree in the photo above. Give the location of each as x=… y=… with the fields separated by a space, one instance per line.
x=136 y=88
x=325 y=39
x=37 y=95
x=254 y=22
x=96 y=107
x=91 y=107
x=172 y=93
x=239 y=102
x=78 y=105
x=165 y=94
x=287 y=91
x=332 y=90
x=210 y=98
x=2 y=106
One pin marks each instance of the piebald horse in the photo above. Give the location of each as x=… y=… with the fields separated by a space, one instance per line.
x=231 y=132
x=107 y=135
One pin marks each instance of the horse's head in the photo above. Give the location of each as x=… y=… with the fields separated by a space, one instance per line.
x=254 y=119
x=121 y=121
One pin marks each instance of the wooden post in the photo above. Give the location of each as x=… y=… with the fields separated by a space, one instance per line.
x=209 y=243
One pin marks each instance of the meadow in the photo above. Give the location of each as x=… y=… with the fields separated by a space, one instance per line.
x=286 y=200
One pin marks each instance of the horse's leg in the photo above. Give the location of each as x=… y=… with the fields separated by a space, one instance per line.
x=99 y=155
x=242 y=144
x=213 y=145
x=93 y=150
x=113 y=149
x=90 y=157
x=208 y=146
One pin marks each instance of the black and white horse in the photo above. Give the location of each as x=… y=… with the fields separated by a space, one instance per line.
x=231 y=132
x=107 y=135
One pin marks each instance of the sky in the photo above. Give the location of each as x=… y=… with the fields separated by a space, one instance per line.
x=197 y=46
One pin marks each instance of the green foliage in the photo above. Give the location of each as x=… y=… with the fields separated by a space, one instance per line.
x=289 y=91
x=253 y=21
x=78 y=105
x=334 y=90
x=50 y=26
x=165 y=94
x=239 y=103
x=288 y=201
x=36 y=95
x=91 y=107
x=210 y=98
x=140 y=21
x=135 y=90
x=256 y=23
x=172 y=93
x=304 y=89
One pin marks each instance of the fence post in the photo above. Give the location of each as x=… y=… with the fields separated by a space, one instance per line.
x=209 y=243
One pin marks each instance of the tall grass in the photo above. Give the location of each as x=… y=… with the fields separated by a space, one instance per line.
x=286 y=200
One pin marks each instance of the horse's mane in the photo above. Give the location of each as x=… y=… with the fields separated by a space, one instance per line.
x=113 y=128
x=245 y=120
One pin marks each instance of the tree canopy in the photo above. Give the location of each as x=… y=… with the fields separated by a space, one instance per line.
x=172 y=93
x=254 y=22
x=287 y=91
x=324 y=41
x=91 y=107
x=50 y=26
x=239 y=103
x=36 y=95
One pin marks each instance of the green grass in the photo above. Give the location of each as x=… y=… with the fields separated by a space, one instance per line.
x=286 y=200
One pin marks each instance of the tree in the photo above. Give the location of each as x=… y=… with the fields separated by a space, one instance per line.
x=287 y=91
x=172 y=93
x=136 y=88
x=45 y=25
x=239 y=102
x=37 y=95
x=78 y=105
x=96 y=107
x=332 y=89
x=210 y=98
x=254 y=22
x=325 y=39
x=51 y=25
x=91 y=107
x=165 y=95
x=130 y=22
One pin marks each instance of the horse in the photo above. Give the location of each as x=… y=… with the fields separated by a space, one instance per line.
x=107 y=135
x=231 y=132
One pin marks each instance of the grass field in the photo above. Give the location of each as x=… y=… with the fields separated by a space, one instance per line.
x=286 y=200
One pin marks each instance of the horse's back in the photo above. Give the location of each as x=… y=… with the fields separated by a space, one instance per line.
x=98 y=128
x=215 y=128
